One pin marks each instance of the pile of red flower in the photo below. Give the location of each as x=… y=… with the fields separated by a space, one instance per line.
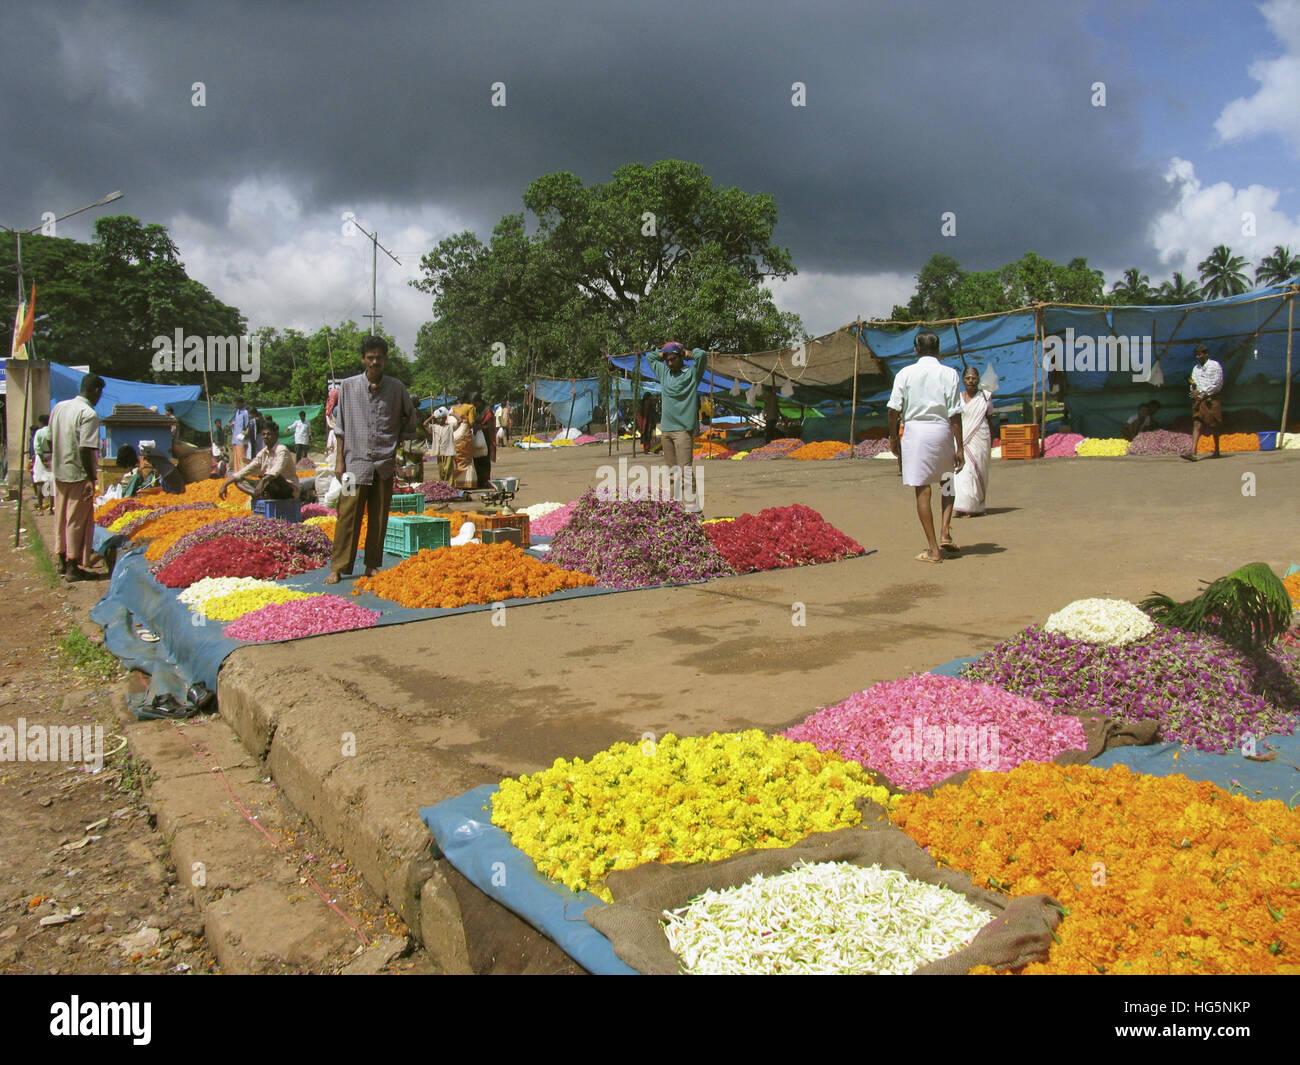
x=244 y=547
x=780 y=537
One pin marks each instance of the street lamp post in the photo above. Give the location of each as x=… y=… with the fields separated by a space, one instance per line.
x=27 y=377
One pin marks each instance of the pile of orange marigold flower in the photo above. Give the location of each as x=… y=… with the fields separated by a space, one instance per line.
x=166 y=529
x=1229 y=442
x=475 y=573
x=1155 y=874
x=821 y=449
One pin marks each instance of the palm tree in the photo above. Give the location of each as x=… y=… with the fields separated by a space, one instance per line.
x=1221 y=273
x=1277 y=268
x=1133 y=288
x=1179 y=290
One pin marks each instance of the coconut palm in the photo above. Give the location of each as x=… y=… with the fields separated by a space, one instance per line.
x=1133 y=287
x=1277 y=268
x=1248 y=608
x=1179 y=290
x=1221 y=273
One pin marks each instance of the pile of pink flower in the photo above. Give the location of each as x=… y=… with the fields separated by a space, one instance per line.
x=777 y=449
x=318 y=510
x=438 y=491
x=925 y=728
x=1061 y=445
x=780 y=537
x=244 y=547
x=301 y=617
x=587 y=438
x=1160 y=442
x=550 y=524
x=868 y=449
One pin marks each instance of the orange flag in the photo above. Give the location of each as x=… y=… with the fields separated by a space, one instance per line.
x=23 y=326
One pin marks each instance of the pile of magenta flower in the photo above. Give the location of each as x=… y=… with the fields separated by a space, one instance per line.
x=637 y=544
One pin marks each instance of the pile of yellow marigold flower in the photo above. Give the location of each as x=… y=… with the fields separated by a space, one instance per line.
x=693 y=799
x=1101 y=446
x=1156 y=874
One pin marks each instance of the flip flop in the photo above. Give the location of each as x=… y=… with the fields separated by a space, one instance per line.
x=951 y=547
x=923 y=557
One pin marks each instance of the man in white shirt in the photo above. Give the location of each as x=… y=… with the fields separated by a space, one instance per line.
x=301 y=435
x=271 y=475
x=1207 y=409
x=926 y=398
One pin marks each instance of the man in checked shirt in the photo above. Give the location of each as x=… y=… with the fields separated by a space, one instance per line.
x=373 y=414
x=1207 y=410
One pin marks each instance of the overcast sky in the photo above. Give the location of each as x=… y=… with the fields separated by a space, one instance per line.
x=912 y=110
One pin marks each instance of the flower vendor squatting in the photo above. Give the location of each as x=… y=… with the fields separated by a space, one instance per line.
x=374 y=414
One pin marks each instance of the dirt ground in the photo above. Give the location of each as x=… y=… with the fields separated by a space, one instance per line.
x=79 y=849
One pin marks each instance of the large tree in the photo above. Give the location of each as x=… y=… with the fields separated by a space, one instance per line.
x=945 y=290
x=107 y=300
x=1134 y=288
x=658 y=252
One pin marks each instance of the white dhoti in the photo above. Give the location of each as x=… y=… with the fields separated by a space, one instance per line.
x=41 y=474
x=928 y=453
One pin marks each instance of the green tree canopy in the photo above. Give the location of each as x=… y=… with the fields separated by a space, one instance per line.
x=658 y=252
x=107 y=300
x=1222 y=273
x=945 y=290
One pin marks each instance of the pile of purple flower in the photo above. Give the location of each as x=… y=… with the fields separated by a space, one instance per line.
x=303 y=543
x=1160 y=442
x=777 y=449
x=438 y=491
x=318 y=510
x=1202 y=691
x=868 y=449
x=626 y=544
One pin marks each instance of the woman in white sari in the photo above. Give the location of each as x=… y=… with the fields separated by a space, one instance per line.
x=972 y=480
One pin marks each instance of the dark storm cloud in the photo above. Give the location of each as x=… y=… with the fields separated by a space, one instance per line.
x=980 y=109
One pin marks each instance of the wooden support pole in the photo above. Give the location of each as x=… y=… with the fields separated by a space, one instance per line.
x=853 y=411
x=1286 y=399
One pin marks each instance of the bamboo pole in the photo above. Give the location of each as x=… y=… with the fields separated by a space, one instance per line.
x=1286 y=400
x=1033 y=395
x=1038 y=359
x=853 y=411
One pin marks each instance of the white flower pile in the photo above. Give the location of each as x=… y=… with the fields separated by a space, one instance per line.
x=826 y=918
x=1113 y=622
x=213 y=587
x=538 y=510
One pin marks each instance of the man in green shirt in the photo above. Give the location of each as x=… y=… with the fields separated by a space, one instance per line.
x=74 y=432
x=679 y=416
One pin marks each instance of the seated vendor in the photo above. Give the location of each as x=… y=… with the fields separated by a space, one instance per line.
x=139 y=475
x=272 y=474
x=1143 y=421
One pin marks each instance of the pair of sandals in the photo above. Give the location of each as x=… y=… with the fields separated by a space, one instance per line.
x=199 y=699
x=947 y=546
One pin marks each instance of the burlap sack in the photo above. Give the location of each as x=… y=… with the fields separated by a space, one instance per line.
x=1019 y=930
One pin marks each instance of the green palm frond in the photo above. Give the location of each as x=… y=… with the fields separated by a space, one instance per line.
x=1250 y=607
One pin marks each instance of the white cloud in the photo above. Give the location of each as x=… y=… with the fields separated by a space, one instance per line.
x=828 y=301
x=1207 y=215
x=284 y=269
x=1275 y=107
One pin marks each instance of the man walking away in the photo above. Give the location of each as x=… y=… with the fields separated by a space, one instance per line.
x=926 y=399
x=74 y=433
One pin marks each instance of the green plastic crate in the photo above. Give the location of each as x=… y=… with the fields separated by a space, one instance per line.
x=409 y=533
x=406 y=503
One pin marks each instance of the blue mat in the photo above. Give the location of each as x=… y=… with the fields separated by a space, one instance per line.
x=484 y=854
x=1276 y=779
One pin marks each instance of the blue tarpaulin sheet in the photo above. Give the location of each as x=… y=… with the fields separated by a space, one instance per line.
x=483 y=853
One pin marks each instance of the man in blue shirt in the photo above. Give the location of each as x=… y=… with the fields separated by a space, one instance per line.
x=239 y=426
x=679 y=416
